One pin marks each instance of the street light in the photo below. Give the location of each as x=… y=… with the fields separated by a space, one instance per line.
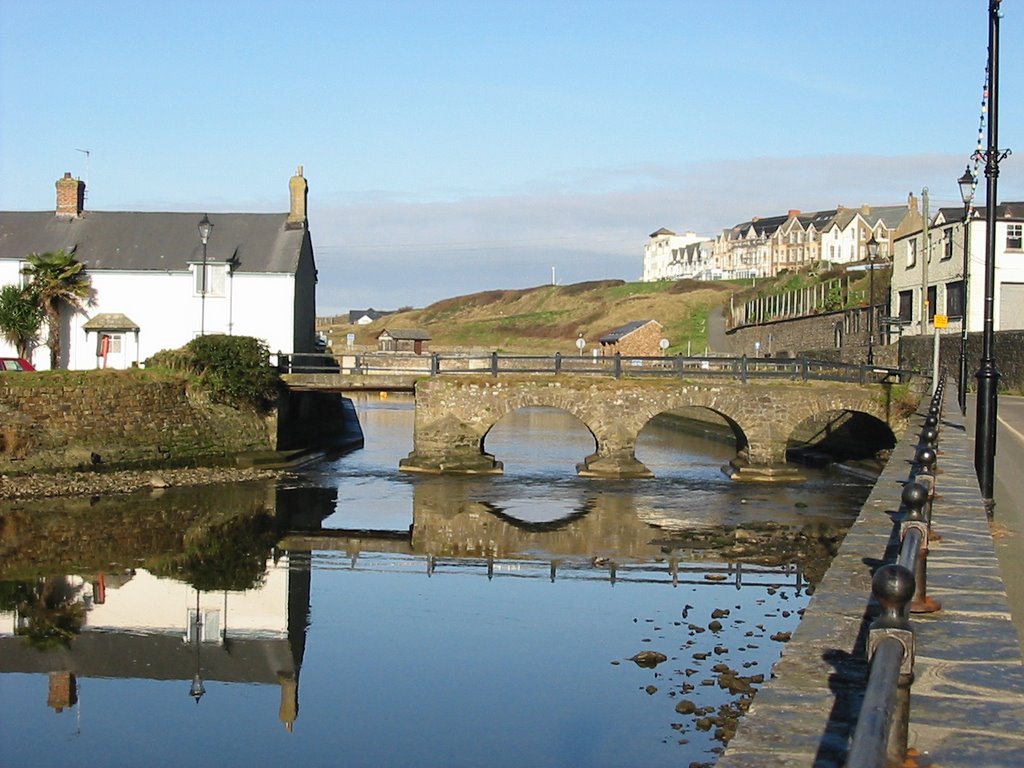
x=987 y=374
x=198 y=689
x=872 y=253
x=966 y=182
x=205 y=227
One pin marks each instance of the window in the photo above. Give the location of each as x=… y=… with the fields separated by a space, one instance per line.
x=932 y=299
x=955 y=298
x=216 y=277
x=906 y=305
x=1014 y=234
x=947 y=243
x=210 y=626
x=911 y=253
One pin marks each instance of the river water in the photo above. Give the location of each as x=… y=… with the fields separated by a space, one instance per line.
x=355 y=615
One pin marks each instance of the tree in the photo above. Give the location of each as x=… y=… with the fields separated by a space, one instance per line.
x=57 y=280
x=20 y=318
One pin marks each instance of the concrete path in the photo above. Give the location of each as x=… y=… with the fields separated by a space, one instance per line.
x=967 y=702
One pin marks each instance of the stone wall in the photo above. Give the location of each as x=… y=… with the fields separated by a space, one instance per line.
x=643 y=342
x=917 y=352
x=64 y=419
x=814 y=336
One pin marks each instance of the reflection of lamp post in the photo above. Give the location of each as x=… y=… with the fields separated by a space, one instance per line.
x=872 y=253
x=197 y=690
x=966 y=182
x=205 y=227
x=987 y=374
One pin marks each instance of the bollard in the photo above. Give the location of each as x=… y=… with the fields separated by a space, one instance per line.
x=915 y=557
x=929 y=436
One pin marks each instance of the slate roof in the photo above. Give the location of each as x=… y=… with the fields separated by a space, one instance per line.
x=405 y=334
x=623 y=331
x=373 y=314
x=108 y=240
x=111 y=321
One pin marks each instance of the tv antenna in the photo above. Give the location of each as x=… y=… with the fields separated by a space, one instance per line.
x=87 y=154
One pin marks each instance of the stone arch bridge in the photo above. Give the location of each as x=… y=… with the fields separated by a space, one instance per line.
x=454 y=415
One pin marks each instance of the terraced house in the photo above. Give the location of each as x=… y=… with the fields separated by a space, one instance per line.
x=766 y=246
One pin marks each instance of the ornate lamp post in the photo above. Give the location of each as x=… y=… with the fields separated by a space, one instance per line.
x=205 y=228
x=872 y=253
x=988 y=375
x=967 y=183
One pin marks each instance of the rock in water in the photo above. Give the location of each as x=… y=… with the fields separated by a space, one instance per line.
x=649 y=659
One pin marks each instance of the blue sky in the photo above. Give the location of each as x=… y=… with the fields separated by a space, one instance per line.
x=452 y=147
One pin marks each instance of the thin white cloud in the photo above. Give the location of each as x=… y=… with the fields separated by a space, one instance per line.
x=587 y=224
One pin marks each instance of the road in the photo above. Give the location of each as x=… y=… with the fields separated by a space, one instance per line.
x=1008 y=521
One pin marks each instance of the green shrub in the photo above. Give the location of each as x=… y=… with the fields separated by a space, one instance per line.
x=234 y=370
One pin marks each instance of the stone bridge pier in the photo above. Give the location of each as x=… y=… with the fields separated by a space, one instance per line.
x=454 y=415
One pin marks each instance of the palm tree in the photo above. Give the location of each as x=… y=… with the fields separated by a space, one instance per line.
x=20 y=318
x=57 y=280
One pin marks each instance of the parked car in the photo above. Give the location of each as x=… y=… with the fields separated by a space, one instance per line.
x=15 y=364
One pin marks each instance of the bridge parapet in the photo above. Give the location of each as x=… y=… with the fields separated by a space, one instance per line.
x=454 y=415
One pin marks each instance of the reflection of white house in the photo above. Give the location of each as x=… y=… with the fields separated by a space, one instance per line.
x=140 y=626
x=928 y=271
x=149 y=291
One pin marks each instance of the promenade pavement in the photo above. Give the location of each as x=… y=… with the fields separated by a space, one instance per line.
x=967 y=701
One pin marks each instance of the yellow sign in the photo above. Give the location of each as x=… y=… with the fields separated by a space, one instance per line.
x=941 y=321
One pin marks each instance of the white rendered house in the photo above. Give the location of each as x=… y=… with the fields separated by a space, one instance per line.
x=668 y=256
x=147 y=274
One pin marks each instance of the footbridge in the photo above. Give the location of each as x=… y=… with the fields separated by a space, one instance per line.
x=763 y=407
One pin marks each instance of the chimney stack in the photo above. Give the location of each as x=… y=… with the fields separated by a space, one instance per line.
x=794 y=212
x=70 y=196
x=298 y=191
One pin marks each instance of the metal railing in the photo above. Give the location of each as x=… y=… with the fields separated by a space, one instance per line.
x=899 y=588
x=741 y=368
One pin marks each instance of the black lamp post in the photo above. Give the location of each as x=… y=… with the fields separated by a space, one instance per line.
x=966 y=182
x=872 y=253
x=198 y=689
x=205 y=227
x=988 y=375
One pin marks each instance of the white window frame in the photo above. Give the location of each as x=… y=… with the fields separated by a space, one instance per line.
x=1014 y=237
x=216 y=279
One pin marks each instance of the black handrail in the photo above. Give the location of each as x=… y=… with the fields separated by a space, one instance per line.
x=741 y=368
x=880 y=737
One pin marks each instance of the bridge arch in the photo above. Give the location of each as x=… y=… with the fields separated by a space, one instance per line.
x=579 y=432
x=453 y=416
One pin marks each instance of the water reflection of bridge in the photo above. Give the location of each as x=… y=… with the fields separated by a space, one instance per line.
x=358 y=551
x=607 y=533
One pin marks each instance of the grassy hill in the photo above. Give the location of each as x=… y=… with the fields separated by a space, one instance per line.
x=549 y=318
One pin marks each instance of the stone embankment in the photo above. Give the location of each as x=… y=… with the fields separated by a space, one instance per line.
x=103 y=483
x=967 y=700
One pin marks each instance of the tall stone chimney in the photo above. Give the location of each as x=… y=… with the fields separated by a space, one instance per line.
x=70 y=196
x=298 y=191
